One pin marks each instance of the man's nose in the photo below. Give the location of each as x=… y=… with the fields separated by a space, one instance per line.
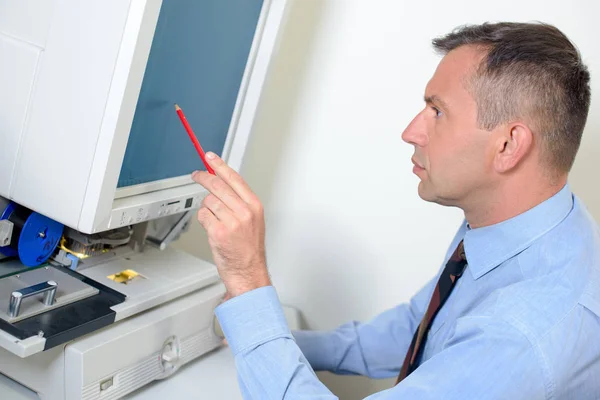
x=416 y=132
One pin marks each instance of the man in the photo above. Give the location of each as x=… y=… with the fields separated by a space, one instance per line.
x=514 y=312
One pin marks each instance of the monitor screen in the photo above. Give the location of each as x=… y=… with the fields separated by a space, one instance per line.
x=198 y=62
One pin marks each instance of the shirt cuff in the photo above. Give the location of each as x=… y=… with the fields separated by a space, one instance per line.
x=318 y=348
x=252 y=319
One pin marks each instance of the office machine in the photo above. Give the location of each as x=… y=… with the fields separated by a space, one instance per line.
x=95 y=181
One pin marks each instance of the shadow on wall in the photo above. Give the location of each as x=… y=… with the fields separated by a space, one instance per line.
x=583 y=179
x=354 y=387
x=275 y=115
x=343 y=275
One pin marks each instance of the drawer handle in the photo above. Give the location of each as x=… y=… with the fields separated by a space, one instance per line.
x=16 y=297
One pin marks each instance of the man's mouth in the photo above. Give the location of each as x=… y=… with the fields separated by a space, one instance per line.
x=418 y=167
x=415 y=162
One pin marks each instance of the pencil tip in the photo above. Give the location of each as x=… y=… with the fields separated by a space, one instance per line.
x=177 y=107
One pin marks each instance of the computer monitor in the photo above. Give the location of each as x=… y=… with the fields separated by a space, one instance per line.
x=88 y=131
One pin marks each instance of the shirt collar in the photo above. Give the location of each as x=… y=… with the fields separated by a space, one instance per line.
x=490 y=246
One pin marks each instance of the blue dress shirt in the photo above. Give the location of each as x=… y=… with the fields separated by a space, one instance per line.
x=523 y=322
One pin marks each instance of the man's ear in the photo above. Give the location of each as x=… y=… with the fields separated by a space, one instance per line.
x=514 y=143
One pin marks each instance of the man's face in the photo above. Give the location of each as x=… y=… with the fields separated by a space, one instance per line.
x=452 y=155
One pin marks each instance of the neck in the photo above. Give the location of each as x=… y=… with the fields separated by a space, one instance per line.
x=510 y=200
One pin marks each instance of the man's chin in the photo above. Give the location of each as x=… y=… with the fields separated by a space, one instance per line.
x=424 y=193
x=427 y=193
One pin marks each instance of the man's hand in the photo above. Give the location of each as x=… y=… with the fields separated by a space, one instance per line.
x=233 y=218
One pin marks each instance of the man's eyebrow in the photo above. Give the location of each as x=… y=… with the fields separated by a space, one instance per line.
x=434 y=99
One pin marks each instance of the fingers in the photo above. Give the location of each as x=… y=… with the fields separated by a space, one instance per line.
x=207 y=219
x=222 y=191
x=232 y=178
x=219 y=210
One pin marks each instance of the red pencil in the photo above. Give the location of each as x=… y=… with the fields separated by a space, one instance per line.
x=193 y=138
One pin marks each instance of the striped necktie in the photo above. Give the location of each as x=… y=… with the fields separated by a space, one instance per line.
x=453 y=270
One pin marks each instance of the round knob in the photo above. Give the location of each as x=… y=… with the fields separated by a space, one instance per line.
x=170 y=356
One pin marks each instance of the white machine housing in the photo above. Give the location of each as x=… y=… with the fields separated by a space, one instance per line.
x=119 y=359
x=70 y=77
x=68 y=98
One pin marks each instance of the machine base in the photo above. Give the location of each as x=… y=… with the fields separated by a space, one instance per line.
x=125 y=356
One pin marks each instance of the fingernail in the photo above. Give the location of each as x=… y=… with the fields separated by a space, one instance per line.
x=194 y=174
x=210 y=155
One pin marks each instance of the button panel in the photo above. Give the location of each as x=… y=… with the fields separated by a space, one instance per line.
x=136 y=215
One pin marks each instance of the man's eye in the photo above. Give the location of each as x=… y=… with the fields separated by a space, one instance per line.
x=436 y=111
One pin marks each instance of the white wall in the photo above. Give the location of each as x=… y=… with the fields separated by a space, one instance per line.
x=347 y=235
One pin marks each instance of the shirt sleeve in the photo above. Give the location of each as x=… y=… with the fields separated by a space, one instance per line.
x=482 y=359
x=376 y=348
x=269 y=363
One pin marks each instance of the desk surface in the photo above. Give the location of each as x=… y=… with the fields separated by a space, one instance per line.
x=212 y=376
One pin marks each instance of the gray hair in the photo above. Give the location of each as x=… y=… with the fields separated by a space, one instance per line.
x=531 y=72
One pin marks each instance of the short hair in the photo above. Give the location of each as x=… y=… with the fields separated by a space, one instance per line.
x=532 y=72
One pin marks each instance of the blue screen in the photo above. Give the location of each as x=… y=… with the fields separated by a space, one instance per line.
x=197 y=59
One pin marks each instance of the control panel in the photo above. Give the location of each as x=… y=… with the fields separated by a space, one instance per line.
x=136 y=214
